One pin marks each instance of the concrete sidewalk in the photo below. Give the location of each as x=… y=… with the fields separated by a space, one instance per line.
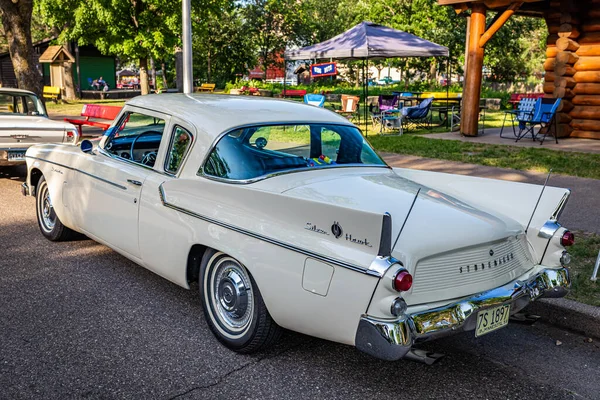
x=492 y=136
x=582 y=211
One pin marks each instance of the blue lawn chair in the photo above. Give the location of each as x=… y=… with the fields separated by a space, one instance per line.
x=542 y=117
x=417 y=116
x=388 y=104
x=317 y=100
x=523 y=113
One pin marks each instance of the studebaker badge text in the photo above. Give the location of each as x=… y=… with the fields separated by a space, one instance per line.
x=313 y=227
x=490 y=264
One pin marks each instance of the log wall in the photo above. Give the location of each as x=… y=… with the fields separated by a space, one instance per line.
x=573 y=66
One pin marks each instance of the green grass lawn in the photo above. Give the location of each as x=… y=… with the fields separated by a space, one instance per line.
x=584 y=253
x=530 y=159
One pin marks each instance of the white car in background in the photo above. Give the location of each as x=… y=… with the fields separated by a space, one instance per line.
x=24 y=122
x=287 y=218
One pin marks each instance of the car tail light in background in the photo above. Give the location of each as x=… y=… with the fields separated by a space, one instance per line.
x=403 y=281
x=567 y=239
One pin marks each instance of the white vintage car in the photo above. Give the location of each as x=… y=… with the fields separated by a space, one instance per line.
x=287 y=218
x=24 y=122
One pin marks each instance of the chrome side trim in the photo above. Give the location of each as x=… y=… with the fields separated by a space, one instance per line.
x=267 y=239
x=392 y=339
x=549 y=229
x=80 y=171
x=380 y=265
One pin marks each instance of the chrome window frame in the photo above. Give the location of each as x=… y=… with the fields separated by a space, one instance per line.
x=101 y=148
x=203 y=174
x=185 y=155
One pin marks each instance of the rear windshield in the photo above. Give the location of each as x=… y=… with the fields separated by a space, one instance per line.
x=21 y=104
x=259 y=151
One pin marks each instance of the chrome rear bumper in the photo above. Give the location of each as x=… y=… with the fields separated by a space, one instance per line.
x=393 y=339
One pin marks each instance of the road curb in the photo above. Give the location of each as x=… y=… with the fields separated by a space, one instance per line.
x=569 y=314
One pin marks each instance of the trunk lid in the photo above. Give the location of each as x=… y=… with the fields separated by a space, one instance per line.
x=25 y=131
x=442 y=238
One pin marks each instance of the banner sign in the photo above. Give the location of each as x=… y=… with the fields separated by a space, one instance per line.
x=324 y=69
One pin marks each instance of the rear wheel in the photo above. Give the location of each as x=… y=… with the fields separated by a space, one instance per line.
x=50 y=225
x=233 y=306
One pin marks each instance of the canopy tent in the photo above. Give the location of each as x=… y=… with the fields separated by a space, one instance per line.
x=368 y=41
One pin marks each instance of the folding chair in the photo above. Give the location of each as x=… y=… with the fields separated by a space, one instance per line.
x=387 y=104
x=417 y=116
x=543 y=116
x=349 y=107
x=317 y=100
x=522 y=114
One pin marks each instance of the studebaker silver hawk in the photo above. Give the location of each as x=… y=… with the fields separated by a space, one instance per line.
x=24 y=122
x=287 y=218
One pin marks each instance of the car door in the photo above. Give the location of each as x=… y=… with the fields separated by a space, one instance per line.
x=109 y=186
x=164 y=239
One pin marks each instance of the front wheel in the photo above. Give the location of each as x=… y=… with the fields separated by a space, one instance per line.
x=233 y=306
x=49 y=223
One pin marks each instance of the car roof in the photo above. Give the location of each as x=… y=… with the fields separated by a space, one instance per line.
x=215 y=114
x=15 y=90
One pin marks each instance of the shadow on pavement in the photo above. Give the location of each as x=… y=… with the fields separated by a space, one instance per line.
x=17 y=173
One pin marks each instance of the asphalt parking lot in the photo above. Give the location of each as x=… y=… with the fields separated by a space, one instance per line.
x=78 y=320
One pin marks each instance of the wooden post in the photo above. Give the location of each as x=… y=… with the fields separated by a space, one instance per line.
x=472 y=91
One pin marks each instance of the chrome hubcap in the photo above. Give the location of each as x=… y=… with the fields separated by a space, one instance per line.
x=232 y=296
x=47 y=211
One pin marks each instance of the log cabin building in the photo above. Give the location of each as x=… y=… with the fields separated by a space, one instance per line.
x=572 y=65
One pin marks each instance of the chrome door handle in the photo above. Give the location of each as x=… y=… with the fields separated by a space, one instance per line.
x=134 y=182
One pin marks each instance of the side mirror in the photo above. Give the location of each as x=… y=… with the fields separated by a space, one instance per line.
x=87 y=146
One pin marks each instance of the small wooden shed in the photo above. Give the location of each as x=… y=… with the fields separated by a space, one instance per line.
x=572 y=67
x=57 y=56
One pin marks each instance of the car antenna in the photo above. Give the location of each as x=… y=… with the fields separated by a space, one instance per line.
x=406 y=219
x=538 y=201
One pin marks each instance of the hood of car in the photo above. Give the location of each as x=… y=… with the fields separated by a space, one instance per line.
x=437 y=223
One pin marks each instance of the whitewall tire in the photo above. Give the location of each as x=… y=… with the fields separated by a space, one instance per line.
x=233 y=306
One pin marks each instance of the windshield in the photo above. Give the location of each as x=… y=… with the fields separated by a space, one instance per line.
x=258 y=151
x=20 y=104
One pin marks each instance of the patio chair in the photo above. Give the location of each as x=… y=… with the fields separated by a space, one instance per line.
x=522 y=114
x=317 y=100
x=349 y=107
x=543 y=116
x=387 y=104
x=417 y=116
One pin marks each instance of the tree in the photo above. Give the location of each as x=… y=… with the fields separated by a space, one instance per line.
x=273 y=24
x=130 y=29
x=222 y=46
x=16 y=20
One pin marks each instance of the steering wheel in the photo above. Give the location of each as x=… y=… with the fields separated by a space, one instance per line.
x=136 y=139
x=149 y=159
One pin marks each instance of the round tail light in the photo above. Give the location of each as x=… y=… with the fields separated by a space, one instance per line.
x=403 y=281
x=567 y=239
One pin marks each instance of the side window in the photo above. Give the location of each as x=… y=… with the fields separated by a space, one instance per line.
x=137 y=138
x=180 y=144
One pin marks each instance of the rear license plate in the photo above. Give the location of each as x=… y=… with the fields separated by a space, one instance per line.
x=16 y=155
x=491 y=319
